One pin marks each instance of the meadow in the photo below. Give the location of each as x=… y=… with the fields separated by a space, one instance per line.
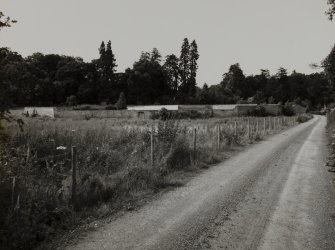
x=117 y=162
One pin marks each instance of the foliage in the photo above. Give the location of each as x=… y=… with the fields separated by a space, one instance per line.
x=121 y=103
x=114 y=167
x=329 y=65
x=72 y=100
x=304 y=118
x=5 y=21
x=164 y=114
x=179 y=156
x=288 y=110
x=258 y=111
x=48 y=80
x=331 y=11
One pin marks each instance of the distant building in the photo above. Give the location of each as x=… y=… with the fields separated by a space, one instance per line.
x=153 y=107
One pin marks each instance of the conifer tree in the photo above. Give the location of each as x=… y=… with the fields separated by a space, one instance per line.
x=194 y=56
x=184 y=62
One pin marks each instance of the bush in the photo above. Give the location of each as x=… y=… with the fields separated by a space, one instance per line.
x=258 y=111
x=304 y=118
x=288 y=110
x=164 y=114
x=121 y=103
x=111 y=107
x=179 y=156
x=82 y=107
x=191 y=114
x=71 y=100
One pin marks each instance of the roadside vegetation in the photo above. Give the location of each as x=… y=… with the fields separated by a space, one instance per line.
x=331 y=140
x=114 y=166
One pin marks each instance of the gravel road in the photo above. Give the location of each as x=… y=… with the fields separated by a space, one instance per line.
x=275 y=195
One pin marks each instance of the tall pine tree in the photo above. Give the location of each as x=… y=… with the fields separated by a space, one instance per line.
x=184 y=67
x=106 y=67
x=184 y=63
x=194 y=56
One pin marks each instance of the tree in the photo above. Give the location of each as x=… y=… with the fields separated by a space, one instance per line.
x=194 y=56
x=204 y=97
x=328 y=65
x=284 y=85
x=171 y=67
x=71 y=100
x=184 y=66
x=155 y=56
x=106 y=68
x=147 y=81
x=121 y=103
x=233 y=80
x=109 y=62
x=331 y=11
x=5 y=21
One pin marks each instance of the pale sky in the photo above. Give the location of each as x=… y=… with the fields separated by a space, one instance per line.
x=259 y=34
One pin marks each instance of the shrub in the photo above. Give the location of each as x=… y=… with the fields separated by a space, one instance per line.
x=229 y=137
x=164 y=114
x=111 y=107
x=191 y=114
x=288 y=110
x=121 y=103
x=154 y=115
x=258 y=111
x=304 y=118
x=82 y=107
x=71 y=100
x=179 y=156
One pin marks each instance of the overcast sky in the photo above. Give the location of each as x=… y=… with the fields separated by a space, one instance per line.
x=259 y=34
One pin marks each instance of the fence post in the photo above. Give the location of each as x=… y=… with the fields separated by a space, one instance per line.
x=257 y=125
x=235 y=128
x=218 y=137
x=249 y=134
x=152 y=146
x=264 y=125
x=74 y=176
x=282 y=121
x=194 y=144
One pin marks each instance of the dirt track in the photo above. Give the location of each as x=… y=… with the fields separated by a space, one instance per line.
x=275 y=195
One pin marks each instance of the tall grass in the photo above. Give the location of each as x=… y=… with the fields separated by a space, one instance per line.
x=114 y=166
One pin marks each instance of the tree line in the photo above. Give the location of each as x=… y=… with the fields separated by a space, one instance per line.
x=48 y=80
x=57 y=79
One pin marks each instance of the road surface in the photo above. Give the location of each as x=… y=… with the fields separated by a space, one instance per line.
x=275 y=195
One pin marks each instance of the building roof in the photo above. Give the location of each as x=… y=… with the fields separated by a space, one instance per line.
x=153 y=107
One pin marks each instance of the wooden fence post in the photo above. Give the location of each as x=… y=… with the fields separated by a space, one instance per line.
x=152 y=146
x=257 y=125
x=218 y=136
x=235 y=128
x=194 y=144
x=264 y=125
x=74 y=176
x=249 y=132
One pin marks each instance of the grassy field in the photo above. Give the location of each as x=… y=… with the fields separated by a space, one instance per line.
x=117 y=163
